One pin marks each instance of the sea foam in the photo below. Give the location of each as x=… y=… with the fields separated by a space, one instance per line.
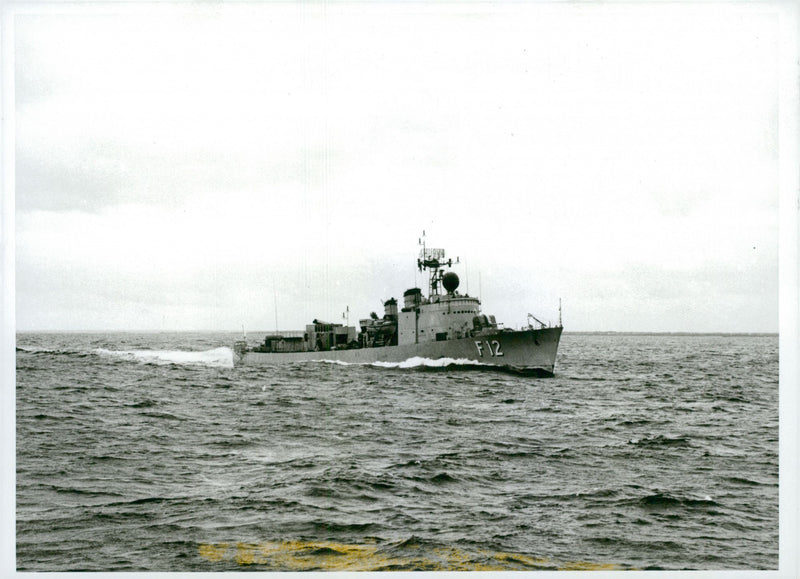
x=217 y=357
x=414 y=362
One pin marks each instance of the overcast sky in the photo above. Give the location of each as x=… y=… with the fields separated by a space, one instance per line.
x=182 y=167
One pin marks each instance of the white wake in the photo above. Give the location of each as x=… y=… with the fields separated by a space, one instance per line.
x=218 y=357
x=415 y=362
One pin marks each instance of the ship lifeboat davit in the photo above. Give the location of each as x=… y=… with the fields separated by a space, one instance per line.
x=385 y=327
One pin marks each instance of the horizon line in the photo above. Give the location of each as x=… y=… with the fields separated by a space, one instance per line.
x=229 y=331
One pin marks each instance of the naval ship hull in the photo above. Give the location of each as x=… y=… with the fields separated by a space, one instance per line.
x=531 y=351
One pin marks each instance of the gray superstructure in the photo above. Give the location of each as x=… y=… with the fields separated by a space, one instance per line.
x=445 y=324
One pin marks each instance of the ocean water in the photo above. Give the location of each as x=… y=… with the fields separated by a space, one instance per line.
x=150 y=452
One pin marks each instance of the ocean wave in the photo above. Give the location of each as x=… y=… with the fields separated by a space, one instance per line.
x=414 y=362
x=146 y=403
x=417 y=362
x=664 y=500
x=435 y=458
x=442 y=478
x=743 y=481
x=217 y=357
x=660 y=440
x=39 y=350
x=441 y=364
x=412 y=554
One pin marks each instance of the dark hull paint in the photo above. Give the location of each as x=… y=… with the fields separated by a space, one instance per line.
x=531 y=352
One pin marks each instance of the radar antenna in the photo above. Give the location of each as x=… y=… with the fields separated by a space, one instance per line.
x=432 y=259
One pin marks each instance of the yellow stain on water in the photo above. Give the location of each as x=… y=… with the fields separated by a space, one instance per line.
x=213 y=552
x=585 y=566
x=515 y=558
x=296 y=555
x=330 y=556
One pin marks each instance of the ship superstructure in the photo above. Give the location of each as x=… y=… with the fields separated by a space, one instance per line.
x=443 y=324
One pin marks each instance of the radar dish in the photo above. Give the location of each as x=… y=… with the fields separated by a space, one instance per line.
x=450 y=281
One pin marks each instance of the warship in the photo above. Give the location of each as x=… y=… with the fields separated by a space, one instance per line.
x=444 y=325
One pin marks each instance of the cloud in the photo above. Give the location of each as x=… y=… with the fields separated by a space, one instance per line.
x=206 y=152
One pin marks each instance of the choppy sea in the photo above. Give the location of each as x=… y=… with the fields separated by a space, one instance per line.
x=151 y=452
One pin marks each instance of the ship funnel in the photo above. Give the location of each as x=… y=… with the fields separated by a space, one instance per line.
x=412 y=298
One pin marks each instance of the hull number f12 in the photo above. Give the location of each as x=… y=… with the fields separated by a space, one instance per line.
x=493 y=348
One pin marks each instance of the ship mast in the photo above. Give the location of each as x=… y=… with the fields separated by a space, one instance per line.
x=432 y=259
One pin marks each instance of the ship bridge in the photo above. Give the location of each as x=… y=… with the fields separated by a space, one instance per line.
x=440 y=316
